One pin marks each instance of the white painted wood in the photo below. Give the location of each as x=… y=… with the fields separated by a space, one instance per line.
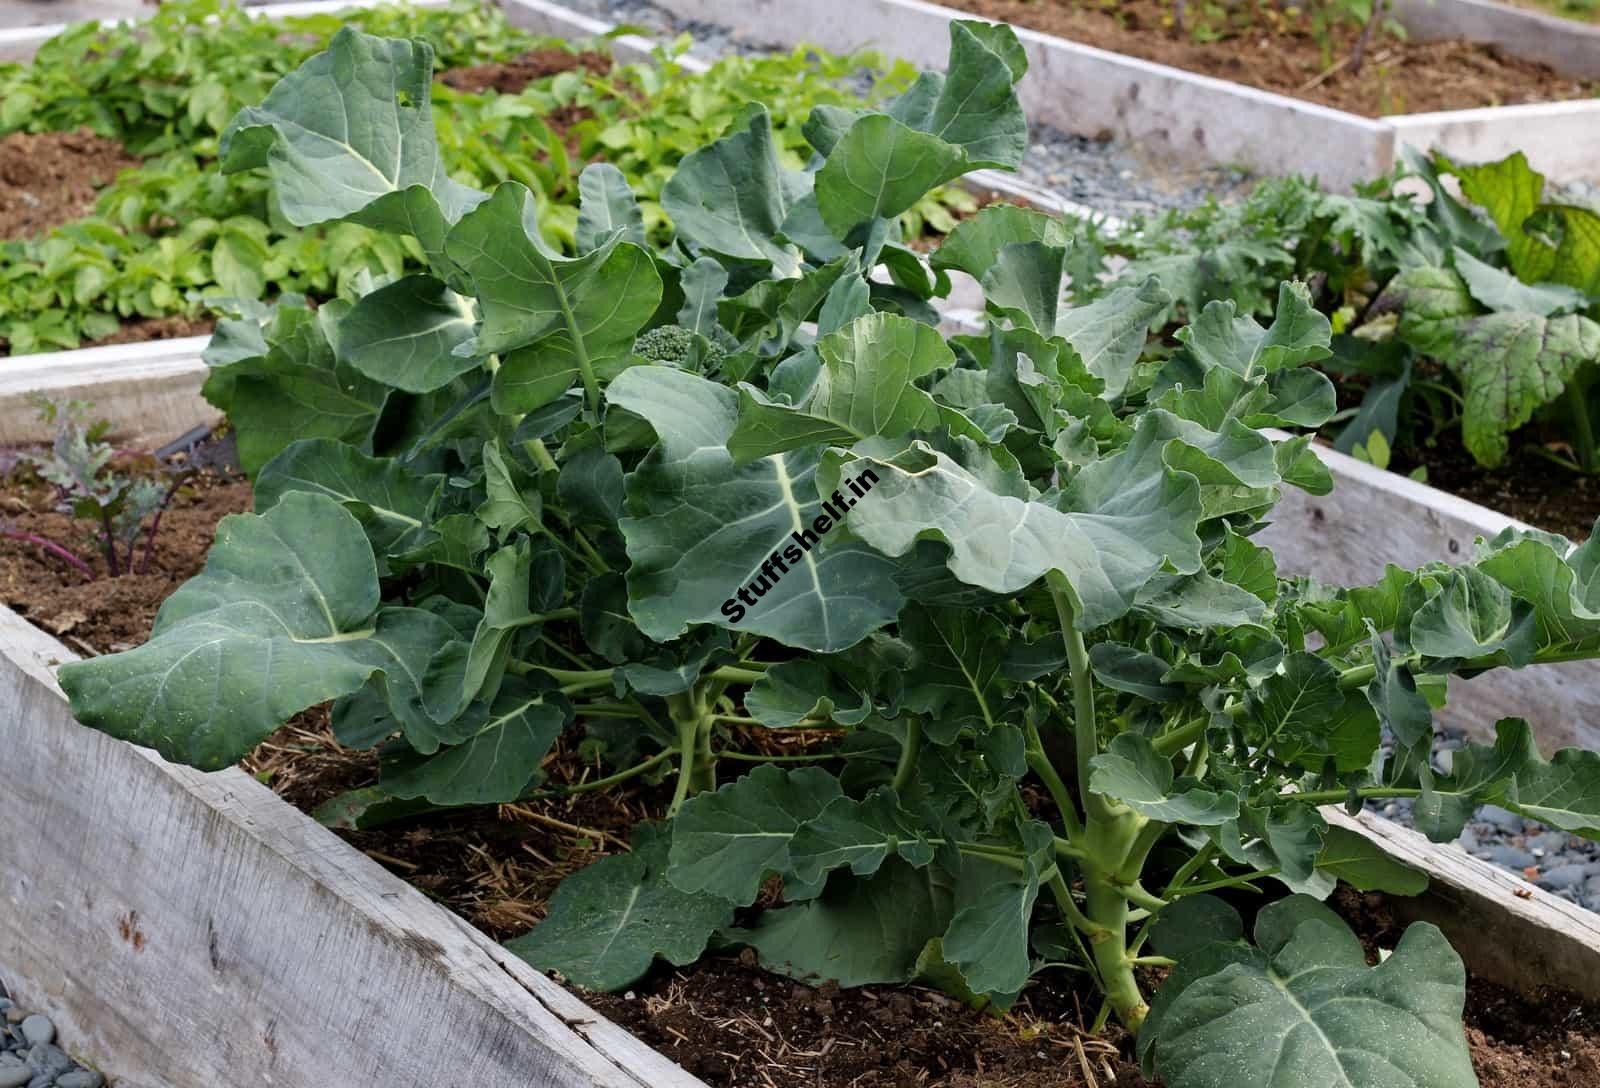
x=1373 y=518
x=1506 y=930
x=191 y=930
x=1164 y=111
x=1169 y=112
x=1566 y=45
x=1557 y=137
x=149 y=392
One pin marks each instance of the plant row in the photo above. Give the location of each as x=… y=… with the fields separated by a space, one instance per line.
x=172 y=234
x=1464 y=311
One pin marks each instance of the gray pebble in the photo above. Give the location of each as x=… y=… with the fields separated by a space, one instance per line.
x=48 y=1058
x=1563 y=876
x=14 y=1076
x=1468 y=841
x=38 y=1029
x=43 y=1080
x=1506 y=821
x=80 y=1078
x=1511 y=857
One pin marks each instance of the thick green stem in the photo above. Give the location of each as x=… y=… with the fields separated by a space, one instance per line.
x=697 y=767
x=1039 y=763
x=909 y=751
x=1106 y=907
x=1085 y=730
x=1334 y=797
x=541 y=455
x=1577 y=398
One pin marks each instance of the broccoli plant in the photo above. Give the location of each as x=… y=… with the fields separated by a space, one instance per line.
x=122 y=508
x=519 y=492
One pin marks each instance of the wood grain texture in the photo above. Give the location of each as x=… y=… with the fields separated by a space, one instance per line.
x=1374 y=517
x=191 y=930
x=1506 y=930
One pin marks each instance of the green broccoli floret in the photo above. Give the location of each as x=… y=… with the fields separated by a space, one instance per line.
x=677 y=346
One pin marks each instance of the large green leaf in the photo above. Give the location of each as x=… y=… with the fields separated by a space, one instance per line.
x=864 y=388
x=284 y=616
x=1125 y=525
x=500 y=758
x=700 y=528
x=406 y=334
x=609 y=921
x=1302 y=1007
x=732 y=196
x=1221 y=337
x=954 y=680
x=1131 y=771
x=1110 y=332
x=879 y=169
x=1510 y=363
x=1363 y=864
x=556 y=321
x=859 y=834
x=607 y=208
x=973 y=105
x=349 y=134
x=1304 y=717
x=859 y=931
x=725 y=843
x=976 y=244
x=988 y=940
x=390 y=500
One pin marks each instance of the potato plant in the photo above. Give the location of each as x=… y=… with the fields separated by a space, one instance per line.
x=1072 y=696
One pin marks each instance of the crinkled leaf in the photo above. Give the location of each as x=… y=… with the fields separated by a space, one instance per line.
x=406 y=335
x=859 y=834
x=556 y=321
x=1131 y=771
x=609 y=921
x=724 y=843
x=606 y=208
x=731 y=197
x=700 y=527
x=390 y=500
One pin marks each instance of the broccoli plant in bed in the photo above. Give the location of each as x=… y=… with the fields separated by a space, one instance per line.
x=746 y=483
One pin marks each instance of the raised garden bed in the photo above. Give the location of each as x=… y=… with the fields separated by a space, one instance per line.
x=1083 y=89
x=332 y=635
x=362 y=934
x=1531 y=30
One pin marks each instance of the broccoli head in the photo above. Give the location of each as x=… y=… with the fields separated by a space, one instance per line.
x=677 y=346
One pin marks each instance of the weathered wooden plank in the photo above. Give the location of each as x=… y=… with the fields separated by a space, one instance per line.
x=1567 y=45
x=192 y=930
x=1507 y=930
x=1165 y=111
x=1374 y=517
x=148 y=392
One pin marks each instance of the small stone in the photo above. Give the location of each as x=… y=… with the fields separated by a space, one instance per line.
x=38 y=1029
x=16 y=1015
x=1563 y=876
x=80 y=1078
x=1510 y=856
x=42 y=1080
x=1468 y=841
x=1504 y=820
x=48 y=1058
x=14 y=1076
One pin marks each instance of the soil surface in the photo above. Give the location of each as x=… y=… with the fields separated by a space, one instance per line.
x=107 y=614
x=1527 y=486
x=1397 y=77
x=512 y=76
x=724 y=1019
x=51 y=178
x=172 y=327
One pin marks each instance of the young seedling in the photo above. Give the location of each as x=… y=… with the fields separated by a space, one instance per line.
x=122 y=508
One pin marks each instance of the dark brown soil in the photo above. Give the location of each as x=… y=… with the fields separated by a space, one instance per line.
x=1398 y=76
x=50 y=178
x=172 y=327
x=513 y=75
x=723 y=1019
x=1528 y=487
x=106 y=614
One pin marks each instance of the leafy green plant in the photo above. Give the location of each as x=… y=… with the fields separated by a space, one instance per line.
x=123 y=508
x=1014 y=560
x=1454 y=316
x=173 y=233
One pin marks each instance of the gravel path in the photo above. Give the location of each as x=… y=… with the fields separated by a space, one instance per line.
x=1111 y=177
x=29 y=1056
x=1563 y=864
